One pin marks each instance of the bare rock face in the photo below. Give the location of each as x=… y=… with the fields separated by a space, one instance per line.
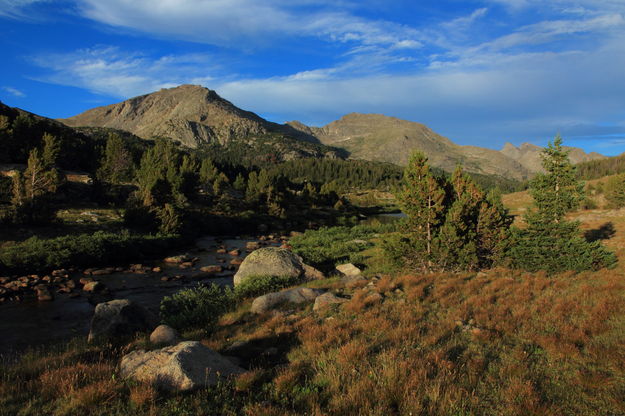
x=119 y=319
x=267 y=302
x=186 y=366
x=269 y=261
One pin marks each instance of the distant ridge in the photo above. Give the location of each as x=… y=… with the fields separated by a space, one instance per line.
x=197 y=116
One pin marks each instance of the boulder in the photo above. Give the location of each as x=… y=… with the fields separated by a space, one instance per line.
x=327 y=299
x=164 y=335
x=118 y=319
x=267 y=302
x=269 y=261
x=186 y=366
x=349 y=270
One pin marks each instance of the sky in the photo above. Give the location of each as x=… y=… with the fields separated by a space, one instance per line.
x=481 y=72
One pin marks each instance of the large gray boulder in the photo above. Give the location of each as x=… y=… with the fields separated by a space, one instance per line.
x=270 y=261
x=119 y=319
x=269 y=301
x=186 y=366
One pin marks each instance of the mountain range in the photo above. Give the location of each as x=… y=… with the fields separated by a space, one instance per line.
x=196 y=116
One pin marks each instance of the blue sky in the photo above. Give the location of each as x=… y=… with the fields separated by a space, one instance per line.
x=480 y=72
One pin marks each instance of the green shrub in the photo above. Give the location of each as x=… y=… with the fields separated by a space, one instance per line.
x=83 y=250
x=329 y=246
x=260 y=285
x=196 y=308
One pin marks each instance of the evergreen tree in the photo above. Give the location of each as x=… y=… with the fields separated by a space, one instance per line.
x=549 y=242
x=421 y=198
x=239 y=183
x=615 y=191
x=117 y=165
x=32 y=189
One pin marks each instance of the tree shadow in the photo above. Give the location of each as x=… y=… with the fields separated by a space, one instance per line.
x=604 y=232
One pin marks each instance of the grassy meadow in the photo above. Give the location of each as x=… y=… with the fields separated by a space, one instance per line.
x=497 y=342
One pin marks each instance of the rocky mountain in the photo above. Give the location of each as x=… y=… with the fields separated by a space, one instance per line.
x=389 y=139
x=528 y=155
x=194 y=116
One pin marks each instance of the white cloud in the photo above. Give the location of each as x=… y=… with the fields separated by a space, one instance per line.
x=244 y=22
x=15 y=8
x=111 y=71
x=14 y=91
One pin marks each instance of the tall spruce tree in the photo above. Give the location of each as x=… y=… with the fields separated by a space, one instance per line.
x=117 y=165
x=550 y=242
x=421 y=198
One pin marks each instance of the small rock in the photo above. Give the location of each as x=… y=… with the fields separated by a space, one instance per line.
x=310 y=273
x=157 y=269
x=164 y=335
x=327 y=299
x=349 y=269
x=252 y=245
x=236 y=262
x=211 y=269
x=177 y=259
x=93 y=287
x=221 y=251
x=186 y=265
x=236 y=252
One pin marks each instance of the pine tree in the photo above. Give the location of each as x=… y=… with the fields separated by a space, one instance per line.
x=456 y=243
x=550 y=242
x=615 y=191
x=239 y=183
x=117 y=165
x=421 y=198
x=31 y=190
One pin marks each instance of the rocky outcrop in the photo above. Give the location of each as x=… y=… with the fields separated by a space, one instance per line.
x=297 y=295
x=119 y=319
x=186 y=366
x=269 y=261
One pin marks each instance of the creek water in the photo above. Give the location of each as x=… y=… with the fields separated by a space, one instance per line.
x=32 y=324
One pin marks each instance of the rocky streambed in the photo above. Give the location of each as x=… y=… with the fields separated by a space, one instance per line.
x=37 y=310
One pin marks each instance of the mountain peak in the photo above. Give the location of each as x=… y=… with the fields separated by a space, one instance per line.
x=191 y=114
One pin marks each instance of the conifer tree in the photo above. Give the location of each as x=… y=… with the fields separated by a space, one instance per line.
x=40 y=180
x=615 y=191
x=117 y=165
x=239 y=183
x=421 y=198
x=550 y=242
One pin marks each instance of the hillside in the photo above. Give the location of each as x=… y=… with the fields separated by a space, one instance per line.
x=196 y=116
x=389 y=139
x=528 y=155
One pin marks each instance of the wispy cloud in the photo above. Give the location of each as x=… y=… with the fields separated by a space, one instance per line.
x=17 y=9
x=111 y=71
x=14 y=91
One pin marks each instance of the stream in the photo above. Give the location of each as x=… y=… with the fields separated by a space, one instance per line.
x=32 y=323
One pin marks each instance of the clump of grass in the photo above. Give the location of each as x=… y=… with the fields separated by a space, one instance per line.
x=83 y=250
x=259 y=285
x=327 y=247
